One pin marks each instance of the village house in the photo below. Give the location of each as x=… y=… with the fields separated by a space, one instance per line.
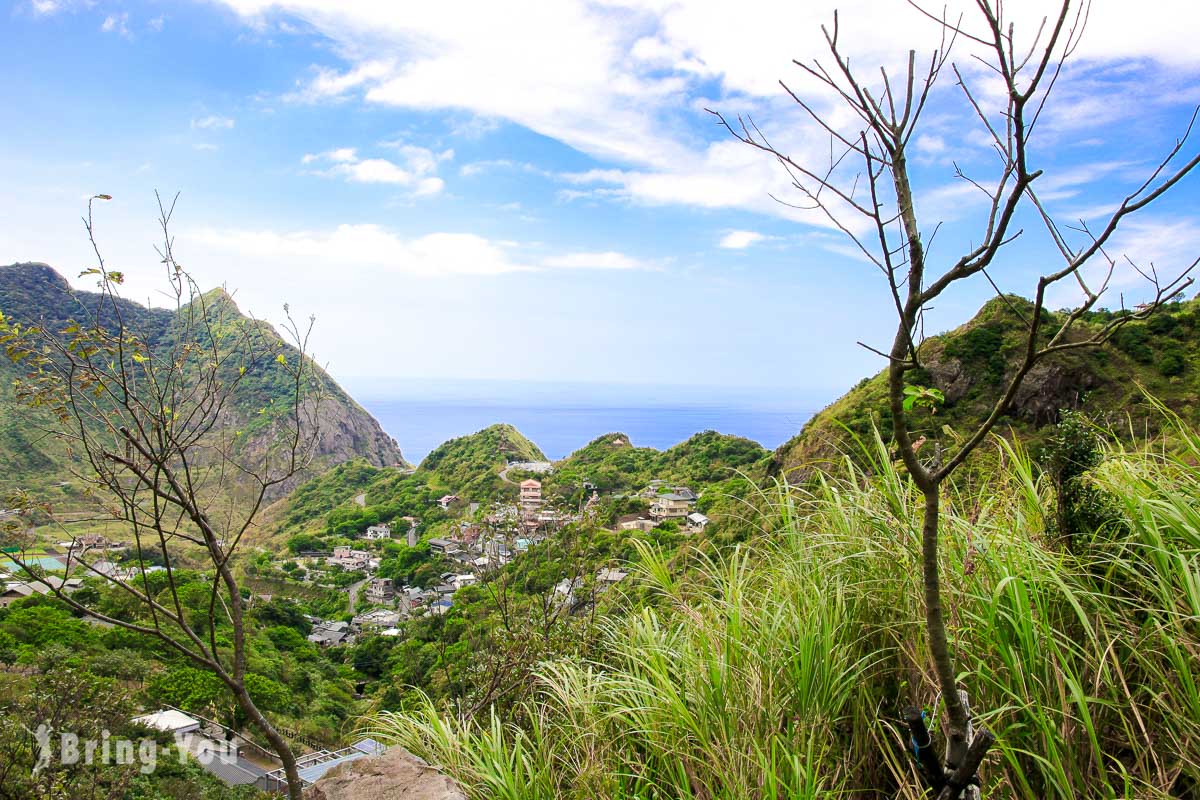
x=380 y=590
x=498 y=550
x=377 y=532
x=468 y=534
x=697 y=521
x=379 y=619
x=18 y=590
x=13 y=592
x=636 y=523
x=91 y=541
x=446 y=500
x=531 y=493
x=329 y=634
x=565 y=590
x=466 y=579
x=674 y=505
x=171 y=721
x=611 y=576
x=348 y=558
x=443 y=546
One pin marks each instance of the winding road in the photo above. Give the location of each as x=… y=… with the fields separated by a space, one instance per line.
x=354 y=587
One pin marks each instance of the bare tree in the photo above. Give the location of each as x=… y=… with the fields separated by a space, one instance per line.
x=146 y=403
x=866 y=191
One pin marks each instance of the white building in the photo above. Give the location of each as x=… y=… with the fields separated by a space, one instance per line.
x=377 y=532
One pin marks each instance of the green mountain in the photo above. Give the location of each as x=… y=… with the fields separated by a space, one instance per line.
x=34 y=294
x=612 y=463
x=1159 y=356
x=470 y=465
x=346 y=500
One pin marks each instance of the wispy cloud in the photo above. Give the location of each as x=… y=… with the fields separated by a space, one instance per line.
x=626 y=75
x=1164 y=246
x=213 y=122
x=370 y=246
x=605 y=260
x=416 y=168
x=117 y=23
x=740 y=240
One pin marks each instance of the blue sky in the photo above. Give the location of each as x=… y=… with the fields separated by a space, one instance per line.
x=528 y=191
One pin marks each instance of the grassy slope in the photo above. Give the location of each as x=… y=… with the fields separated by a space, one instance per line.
x=781 y=669
x=969 y=363
x=468 y=466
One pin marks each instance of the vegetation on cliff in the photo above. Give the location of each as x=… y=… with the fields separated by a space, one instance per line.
x=34 y=294
x=968 y=365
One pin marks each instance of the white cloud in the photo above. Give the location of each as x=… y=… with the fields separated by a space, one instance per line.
x=740 y=240
x=45 y=7
x=621 y=80
x=415 y=170
x=116 y=23
x=331 y=84
x=372 y=247
x=156 y=24
x=605 y=260
x=213 y=122
x=1164 y=245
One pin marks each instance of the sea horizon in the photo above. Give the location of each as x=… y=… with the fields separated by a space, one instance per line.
x=561 y=417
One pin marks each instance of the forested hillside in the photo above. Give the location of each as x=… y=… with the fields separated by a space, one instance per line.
x=34 y=294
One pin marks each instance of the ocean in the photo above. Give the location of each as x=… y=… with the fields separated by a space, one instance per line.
x=561 y=418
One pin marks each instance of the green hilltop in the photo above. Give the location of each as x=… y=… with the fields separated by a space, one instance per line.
x=612 y=463
x=470 y=465
x=1159 y=356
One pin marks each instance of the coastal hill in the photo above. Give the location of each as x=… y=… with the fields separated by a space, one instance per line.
x=35 y=294
x=354 y=495
x=612 y=463
x=1159 y=356
x=470 y=465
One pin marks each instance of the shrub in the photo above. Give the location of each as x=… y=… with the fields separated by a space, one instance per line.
x=1172 y=362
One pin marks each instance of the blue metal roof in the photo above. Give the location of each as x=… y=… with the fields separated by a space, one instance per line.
x=313 y=774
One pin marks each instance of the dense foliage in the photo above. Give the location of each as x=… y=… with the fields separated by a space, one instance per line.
x=288 y=676
x=611 y=463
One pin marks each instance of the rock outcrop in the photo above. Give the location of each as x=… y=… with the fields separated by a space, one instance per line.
x=393 y=775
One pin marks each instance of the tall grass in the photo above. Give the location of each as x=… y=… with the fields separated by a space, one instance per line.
x=778 y=670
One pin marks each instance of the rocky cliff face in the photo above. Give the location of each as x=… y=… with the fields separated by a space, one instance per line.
x=393 y=775
x=33 y=293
